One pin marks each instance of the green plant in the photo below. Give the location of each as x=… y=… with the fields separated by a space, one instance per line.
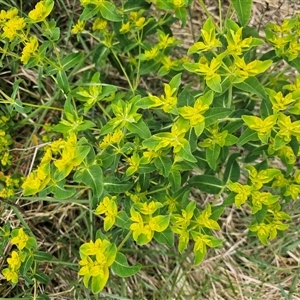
x=136 y=153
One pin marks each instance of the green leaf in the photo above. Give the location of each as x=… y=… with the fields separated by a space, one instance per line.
x=232 y=170
x=199 y=256
x=122 y=220
x=212 y=156
x=62 y=81
x=215 y=84
x=266 y=108
x=185 y=152
x=295 y=64
x=252 y=85
x=260 y=215
x=215 y=113
x=243 y=10
x=175 y=180
x=43 y=278
x=175 y=81
x=60 y=192
x=166 y=237
x=89 y=12
x=71 y=60
x=217 y=212
x=31 y=243
x=207 y=183
x=181 y=14
x=149 y=66
x=121 y=267
x=42 y=256
x=25 y=266
x=163 y=164
x=144 y=103
x=136 y=5
x=108 y=12
x=139 y=128
x=98 y=283
x=93 y=177
x=247 y=135
x=114 y=185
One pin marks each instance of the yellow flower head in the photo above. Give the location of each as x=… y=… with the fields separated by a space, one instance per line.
x=99 y=24
x=178 y=3
x=140 y=23
x=20 y=240
x=14 y=261
x=10 y=275
x=41 y=10
x=87 y=264
x=29 y=49
x=152 y=53
x=12 y=26
x=133 y=16
x=7 y=15
x=78 y=27
x=125 y=27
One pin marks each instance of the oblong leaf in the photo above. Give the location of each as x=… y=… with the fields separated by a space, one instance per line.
x=215 y=113
x=252 y=85
x=121 y=267
x=243 y=10
x=247 y=135
x=108 y=12
x=93 y=177
x=207 y=183
x=114 y=185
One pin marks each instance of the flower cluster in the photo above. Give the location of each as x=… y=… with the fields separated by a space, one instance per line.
x=96 y=258
x=23 y=243
x=16 y=29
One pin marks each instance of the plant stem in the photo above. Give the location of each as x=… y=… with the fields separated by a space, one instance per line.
x=124 y=240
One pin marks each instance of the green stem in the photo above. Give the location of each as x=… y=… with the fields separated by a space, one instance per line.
x=20 y=217
x=104 y=110
x=159 y=190
x=229 y=97
x=220 y=16
x=123 y=70
x=124 y=240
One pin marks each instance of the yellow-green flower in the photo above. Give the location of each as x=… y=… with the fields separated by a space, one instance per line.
x=86 y=266
x=125 y=27
x=37 y=179
x=78 y=27
x=96 y=258
x=152 y=53
x=12 y=26
x=108 y=206
x=204 y=219
x=168 y=101
x=29 y=49
x=165 y=40
x=168 y=63
x=41 y=11
x=242 y=192
x=140 y=23
x=178 y=3
x=20 y=240
x=10 y=275
x=99 y=24
x=14 y=261
x=237 y=45
x=209 y=69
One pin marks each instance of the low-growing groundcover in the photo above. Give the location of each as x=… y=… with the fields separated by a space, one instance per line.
x=125 y=166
